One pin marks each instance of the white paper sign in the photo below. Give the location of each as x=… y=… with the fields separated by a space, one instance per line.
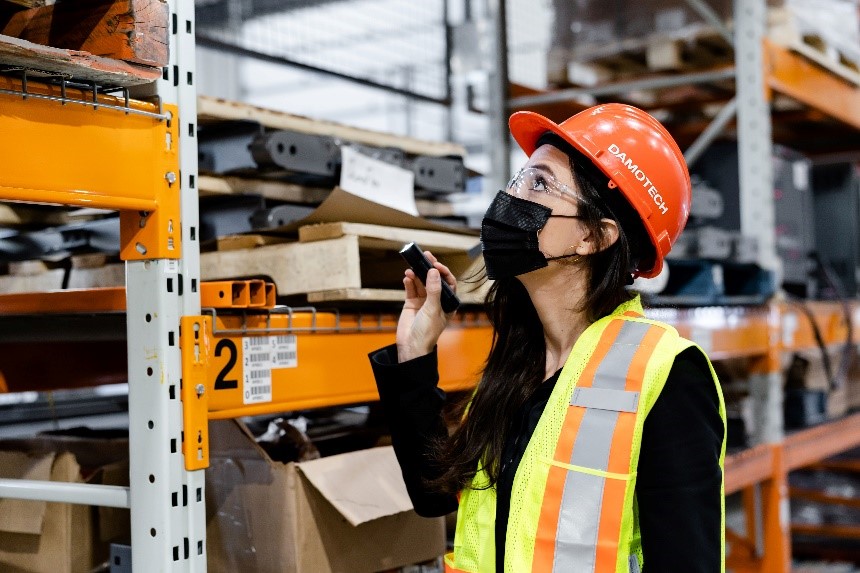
x=378 y=181
x=257 y=369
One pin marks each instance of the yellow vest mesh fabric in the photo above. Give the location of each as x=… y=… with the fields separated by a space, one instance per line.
x=474 y=545
x=531 y=477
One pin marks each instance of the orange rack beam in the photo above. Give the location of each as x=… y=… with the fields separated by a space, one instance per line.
x=315 y=376
x=67 y=146
x=218 y=294
x=798 y=77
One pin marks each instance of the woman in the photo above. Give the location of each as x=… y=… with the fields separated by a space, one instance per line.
x=595 y=439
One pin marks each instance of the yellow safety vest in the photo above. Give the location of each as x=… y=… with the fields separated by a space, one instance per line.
x=573 y=502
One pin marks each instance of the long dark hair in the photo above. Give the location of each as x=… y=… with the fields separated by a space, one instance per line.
x=516 y=364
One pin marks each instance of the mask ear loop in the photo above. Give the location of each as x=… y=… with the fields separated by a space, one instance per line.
x=566 y=256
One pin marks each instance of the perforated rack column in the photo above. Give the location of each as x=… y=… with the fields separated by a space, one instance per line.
x=167 y=502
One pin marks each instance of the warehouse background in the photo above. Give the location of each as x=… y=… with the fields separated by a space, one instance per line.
x=314 y=139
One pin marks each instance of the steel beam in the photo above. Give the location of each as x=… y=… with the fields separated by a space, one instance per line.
x=499 y=89
x=714 y=129
x=230 y=48
x=755 y=148
x=659 y=82
x=708 y=15
x=59 y=492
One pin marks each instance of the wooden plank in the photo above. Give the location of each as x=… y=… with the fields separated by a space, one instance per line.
x=322 y=265
x=130 y=30
x=378 y=236
x=98 y=277
x=80 y=65
x=238 y=242
x=92 y=261
x=357 y=294
x=428 y=208
x=28 y=268
x=375 y=295
x=49 y=280
x=214 y=109
x=15 y=214
x=295 y=268
x=275 y=190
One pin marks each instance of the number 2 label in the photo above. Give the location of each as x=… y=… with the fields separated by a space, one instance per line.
x=222 y=382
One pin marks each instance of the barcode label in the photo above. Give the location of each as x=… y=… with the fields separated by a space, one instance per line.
x=258 y=385
x=257 y=361
x=260 y=357
x=286 y=352
x=260 y=354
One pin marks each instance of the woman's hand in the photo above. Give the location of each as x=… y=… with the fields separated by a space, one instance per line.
x=422 y=320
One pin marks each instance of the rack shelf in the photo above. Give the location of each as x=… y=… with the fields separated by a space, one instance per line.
x=723 y=332
x=829 y=101
x=72 y=137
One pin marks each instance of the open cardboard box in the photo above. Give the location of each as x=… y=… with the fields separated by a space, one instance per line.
x=46 y=537
x=38 y=536
x=348 y=513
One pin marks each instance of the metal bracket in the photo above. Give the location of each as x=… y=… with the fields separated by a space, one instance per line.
x=195 y=345
x=707 y=13
x=156 y=234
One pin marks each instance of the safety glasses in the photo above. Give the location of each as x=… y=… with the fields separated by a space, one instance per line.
x=531 y=183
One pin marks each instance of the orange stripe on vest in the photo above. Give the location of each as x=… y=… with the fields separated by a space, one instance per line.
x=612 y=508
x=548 y=524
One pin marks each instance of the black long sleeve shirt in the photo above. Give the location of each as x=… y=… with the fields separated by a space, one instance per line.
x=678 y=483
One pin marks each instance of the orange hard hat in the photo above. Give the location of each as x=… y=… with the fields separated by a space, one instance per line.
x=637 y=154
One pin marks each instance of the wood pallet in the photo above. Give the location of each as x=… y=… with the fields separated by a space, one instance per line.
x=700 y=46
x=343 y=262
x=111 y=42
x=330 y=262
x=785 y=30
x=691 y=48
x=86 y=271
x=211 y=110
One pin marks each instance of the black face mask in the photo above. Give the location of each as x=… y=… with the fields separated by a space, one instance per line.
x=509 y=236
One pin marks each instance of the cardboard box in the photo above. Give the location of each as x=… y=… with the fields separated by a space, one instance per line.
x=38 y=536
x=56 y=537
x=348 y=513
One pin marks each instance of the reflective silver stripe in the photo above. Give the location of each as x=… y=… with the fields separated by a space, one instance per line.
x=604 y=399
x=612 y=371
x=634 y=564
x=579 y=519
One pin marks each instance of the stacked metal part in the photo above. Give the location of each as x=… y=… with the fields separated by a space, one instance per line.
x=247 y=147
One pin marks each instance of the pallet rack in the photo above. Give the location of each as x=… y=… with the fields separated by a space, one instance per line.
x=168 y=533
x=141 y=159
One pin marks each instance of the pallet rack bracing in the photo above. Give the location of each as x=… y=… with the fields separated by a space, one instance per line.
x=142 y=159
